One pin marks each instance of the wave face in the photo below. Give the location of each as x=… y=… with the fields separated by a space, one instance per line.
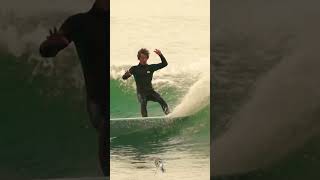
x=183 y=142
x=266 y=100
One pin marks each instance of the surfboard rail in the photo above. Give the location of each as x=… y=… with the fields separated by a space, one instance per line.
x=140 y=118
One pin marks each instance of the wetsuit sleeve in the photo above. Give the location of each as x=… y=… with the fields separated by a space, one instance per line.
x=68 y=28
x=164 y=63
x=128 y=73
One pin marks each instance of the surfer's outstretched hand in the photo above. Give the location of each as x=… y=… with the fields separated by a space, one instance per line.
x=53 y=44
x=54 y=35
x=157 y=51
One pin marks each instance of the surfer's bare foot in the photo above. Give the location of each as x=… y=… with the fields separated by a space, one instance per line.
x=167 y=111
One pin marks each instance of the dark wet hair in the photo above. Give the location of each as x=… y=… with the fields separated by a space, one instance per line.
x=143 y=51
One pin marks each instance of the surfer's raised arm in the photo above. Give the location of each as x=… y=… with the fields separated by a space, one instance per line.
x=163 y=63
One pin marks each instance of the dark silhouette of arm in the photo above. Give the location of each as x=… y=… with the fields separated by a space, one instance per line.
x=58 y=40
x=52 y=45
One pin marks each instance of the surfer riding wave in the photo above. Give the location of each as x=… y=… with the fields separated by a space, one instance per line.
x=143 y=74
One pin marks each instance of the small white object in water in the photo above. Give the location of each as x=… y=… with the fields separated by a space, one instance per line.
x=159 y=164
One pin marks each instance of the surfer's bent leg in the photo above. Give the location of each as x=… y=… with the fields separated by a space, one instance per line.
x=157 y=98
x=99 y=122
x=143 y=105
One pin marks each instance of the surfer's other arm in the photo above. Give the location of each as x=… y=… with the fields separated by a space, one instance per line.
x=127 y=74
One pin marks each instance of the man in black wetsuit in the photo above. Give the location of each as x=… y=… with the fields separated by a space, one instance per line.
x=90 y=33
x=143 y=74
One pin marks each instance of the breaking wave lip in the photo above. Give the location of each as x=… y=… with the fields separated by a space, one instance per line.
x=283 y=111
x=278 y=119
x=197 y=97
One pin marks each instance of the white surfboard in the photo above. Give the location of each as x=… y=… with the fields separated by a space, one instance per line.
x=139 y=118
x=124 y=126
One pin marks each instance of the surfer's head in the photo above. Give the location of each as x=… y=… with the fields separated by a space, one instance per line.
x=143 y=55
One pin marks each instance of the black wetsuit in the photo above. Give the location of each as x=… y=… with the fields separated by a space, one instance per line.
x=90 y=33
x=143 y=76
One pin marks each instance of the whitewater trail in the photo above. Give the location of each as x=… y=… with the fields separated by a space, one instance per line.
x=280 y=116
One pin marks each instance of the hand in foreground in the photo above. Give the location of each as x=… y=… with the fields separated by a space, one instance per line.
x=53 y=44
x=54 y=36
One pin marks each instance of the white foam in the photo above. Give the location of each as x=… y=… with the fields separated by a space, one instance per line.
x=281 y=115
x=196 y=99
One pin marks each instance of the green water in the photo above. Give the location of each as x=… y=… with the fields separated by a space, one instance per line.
x=124 y=102
x=182 y=142
x=43 y=134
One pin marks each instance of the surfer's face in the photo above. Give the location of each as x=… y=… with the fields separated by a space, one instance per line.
x=143 y=58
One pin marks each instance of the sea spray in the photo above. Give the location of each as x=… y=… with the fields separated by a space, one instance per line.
x=197 y=97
